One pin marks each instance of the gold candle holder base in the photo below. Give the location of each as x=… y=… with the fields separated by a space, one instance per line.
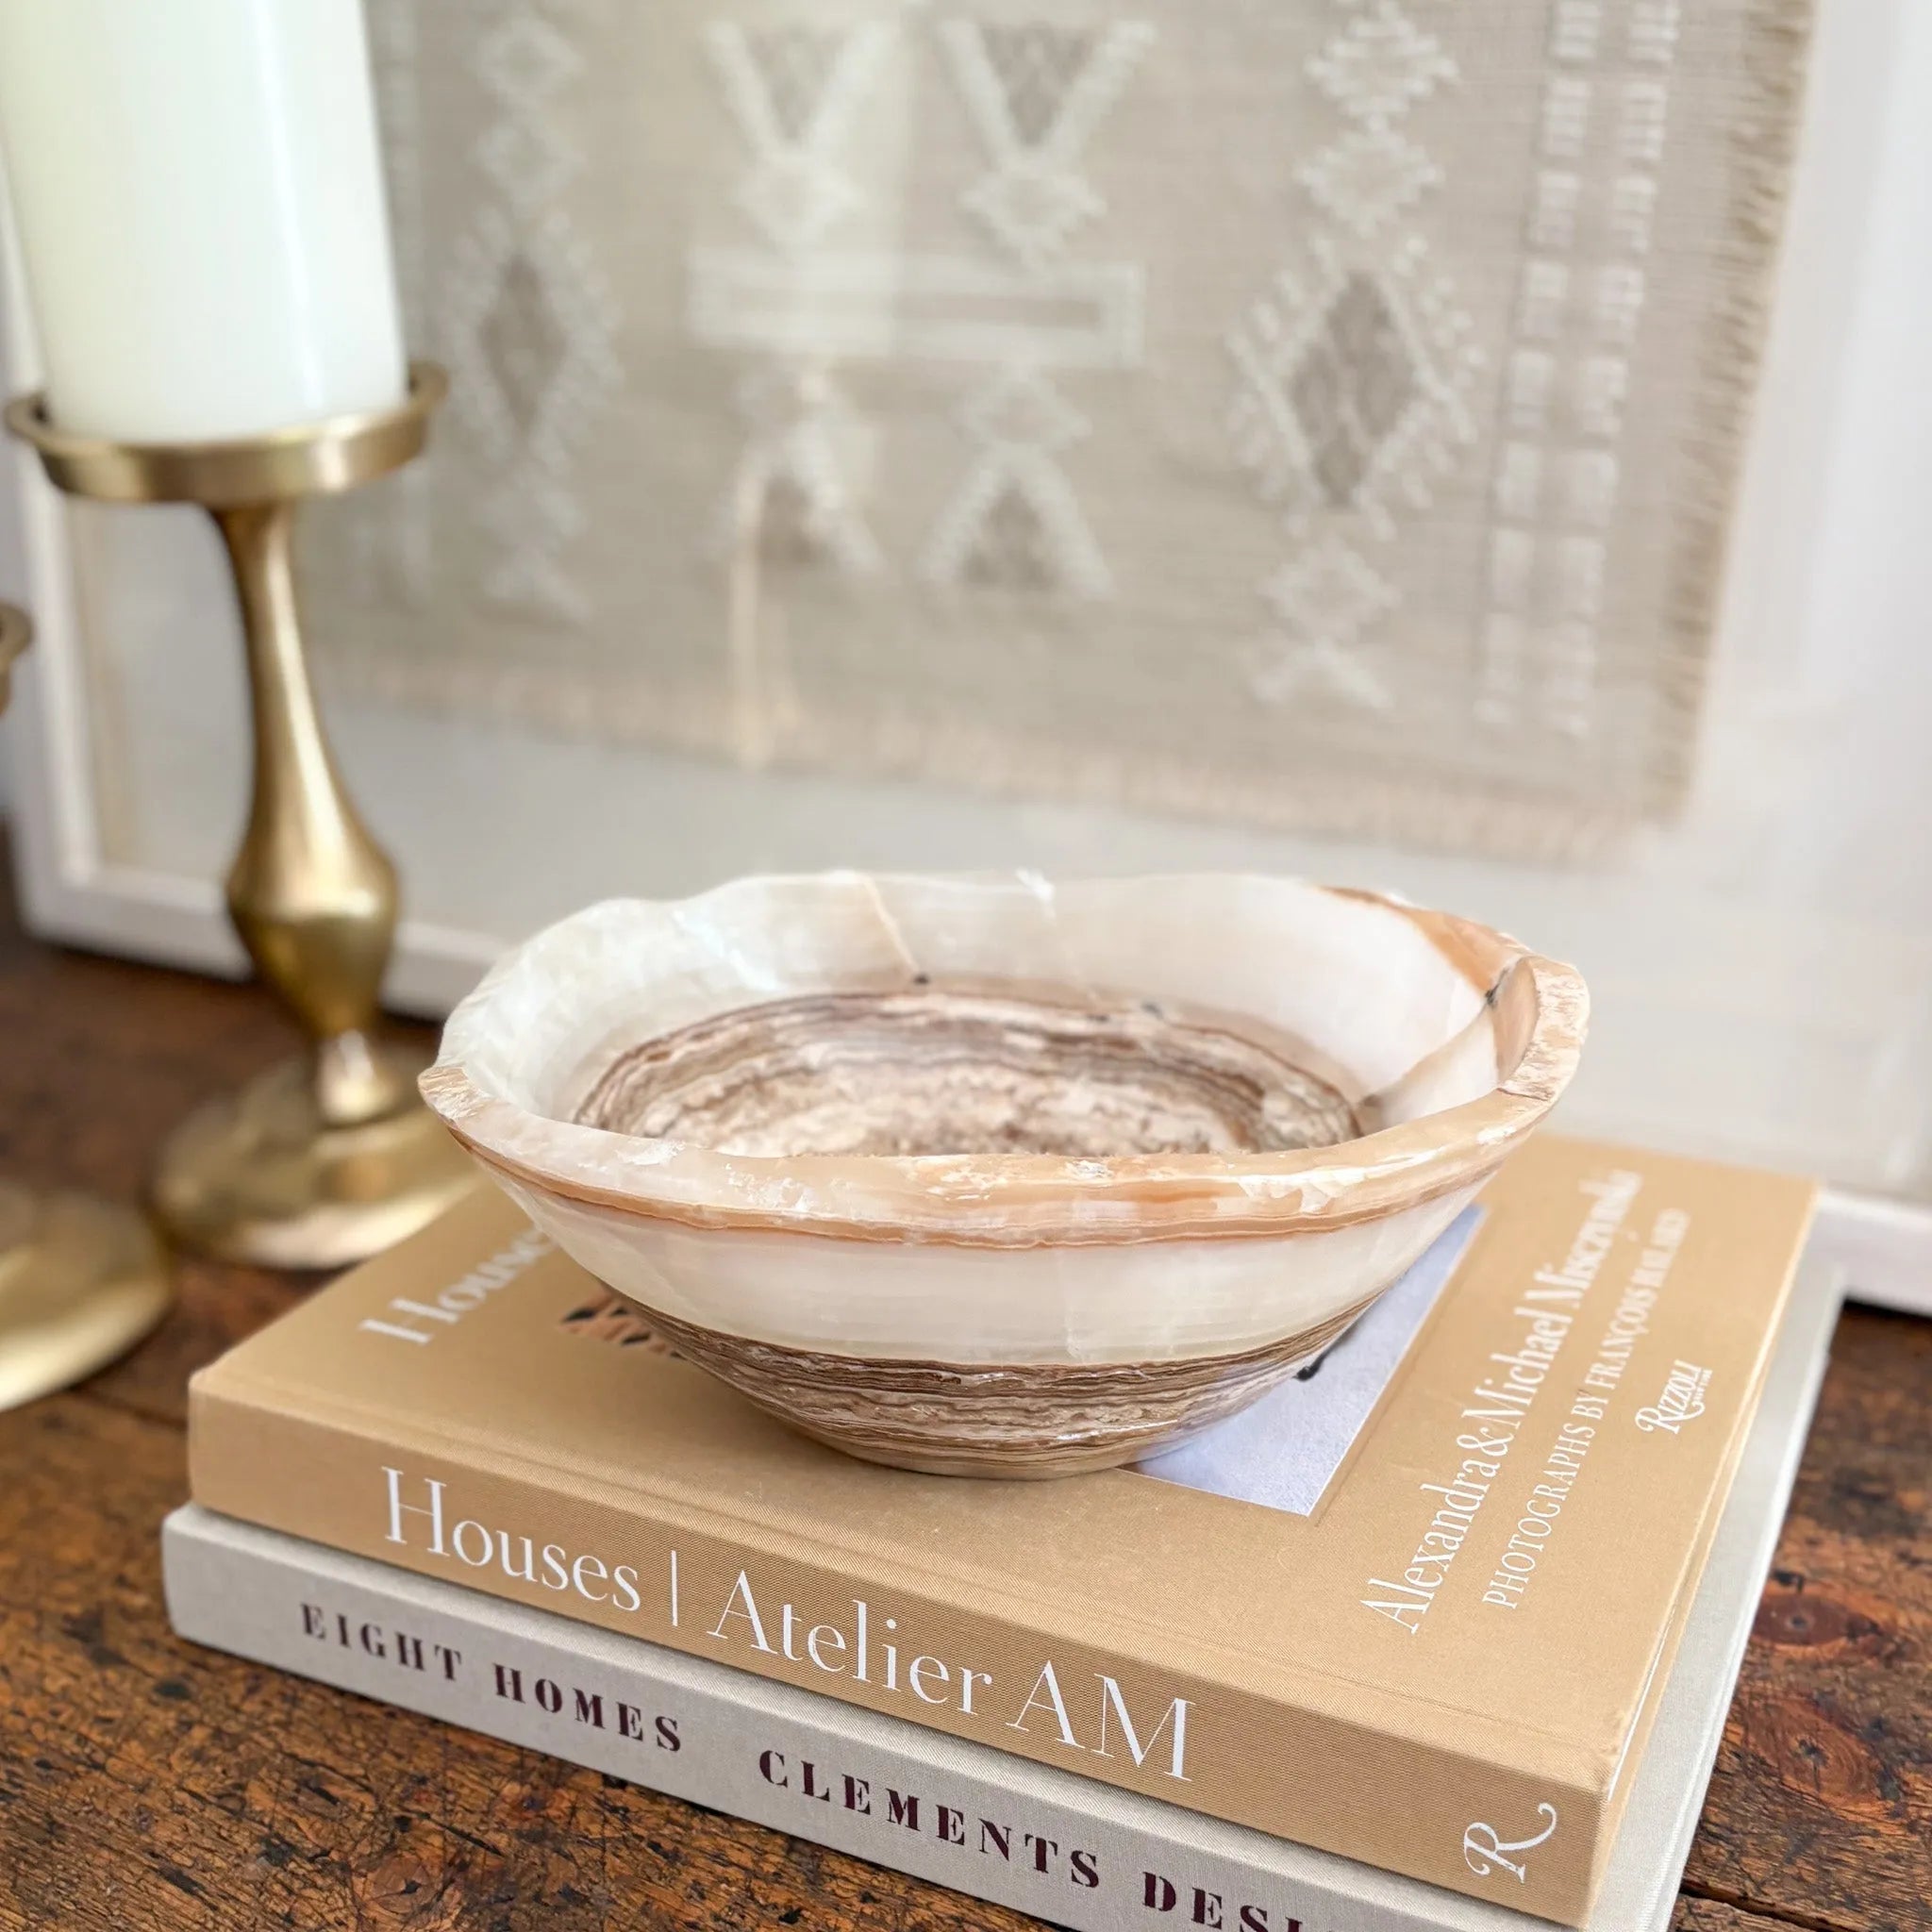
x=327 y=1162
x=261 y=1177
x=80 y=1281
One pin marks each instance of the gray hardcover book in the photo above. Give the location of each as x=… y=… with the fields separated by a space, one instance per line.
x=1080 y=1854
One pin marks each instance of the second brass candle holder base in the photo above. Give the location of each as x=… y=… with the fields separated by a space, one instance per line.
x=81 y=1280
x=327 y=1162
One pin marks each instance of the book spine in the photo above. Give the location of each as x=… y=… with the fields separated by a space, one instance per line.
x=1473 y=1818
x=1048 y=1842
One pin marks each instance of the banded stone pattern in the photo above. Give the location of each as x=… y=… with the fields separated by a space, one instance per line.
x=1028 y=1420
x=938 y=1069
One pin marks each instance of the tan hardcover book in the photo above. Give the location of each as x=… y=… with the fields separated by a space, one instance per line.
x=1440 y=1661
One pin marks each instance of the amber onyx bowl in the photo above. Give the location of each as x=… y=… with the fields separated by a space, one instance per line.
x=990 y=1175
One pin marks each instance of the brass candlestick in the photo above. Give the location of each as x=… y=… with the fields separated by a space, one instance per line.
x=326 y=1160
x=81 y=1281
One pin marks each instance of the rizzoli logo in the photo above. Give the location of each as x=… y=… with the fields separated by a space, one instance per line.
x=1681 y=1402
x=1485 y=1851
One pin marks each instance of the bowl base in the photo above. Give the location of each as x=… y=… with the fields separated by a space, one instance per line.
x=1007 y=1421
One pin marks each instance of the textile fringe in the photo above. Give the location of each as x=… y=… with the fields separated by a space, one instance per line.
x=1764 y=147
x=1462 y=815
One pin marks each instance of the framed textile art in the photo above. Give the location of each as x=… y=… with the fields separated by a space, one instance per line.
x=1313 y=435
x=1322 y=415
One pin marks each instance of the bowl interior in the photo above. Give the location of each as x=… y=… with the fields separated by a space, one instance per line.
x=853 y=1014
x=988 y=1069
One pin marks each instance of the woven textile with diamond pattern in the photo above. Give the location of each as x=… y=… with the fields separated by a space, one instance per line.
x=1322 y=413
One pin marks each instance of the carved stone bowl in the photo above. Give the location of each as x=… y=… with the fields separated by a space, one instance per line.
x=987 y=1175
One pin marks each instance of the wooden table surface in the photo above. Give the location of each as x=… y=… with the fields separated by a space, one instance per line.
x=144 y=1783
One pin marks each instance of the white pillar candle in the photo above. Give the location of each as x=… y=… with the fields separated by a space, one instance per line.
x=198 y=193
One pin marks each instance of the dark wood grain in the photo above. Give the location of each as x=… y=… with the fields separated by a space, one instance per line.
x=145 y=1783
x=1694 y=1914
x=1821 y=1807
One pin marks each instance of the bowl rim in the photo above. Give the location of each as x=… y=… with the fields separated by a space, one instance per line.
x=1028 y=1200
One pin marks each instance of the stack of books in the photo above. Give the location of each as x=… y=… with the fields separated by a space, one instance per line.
x=1439 y=1635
